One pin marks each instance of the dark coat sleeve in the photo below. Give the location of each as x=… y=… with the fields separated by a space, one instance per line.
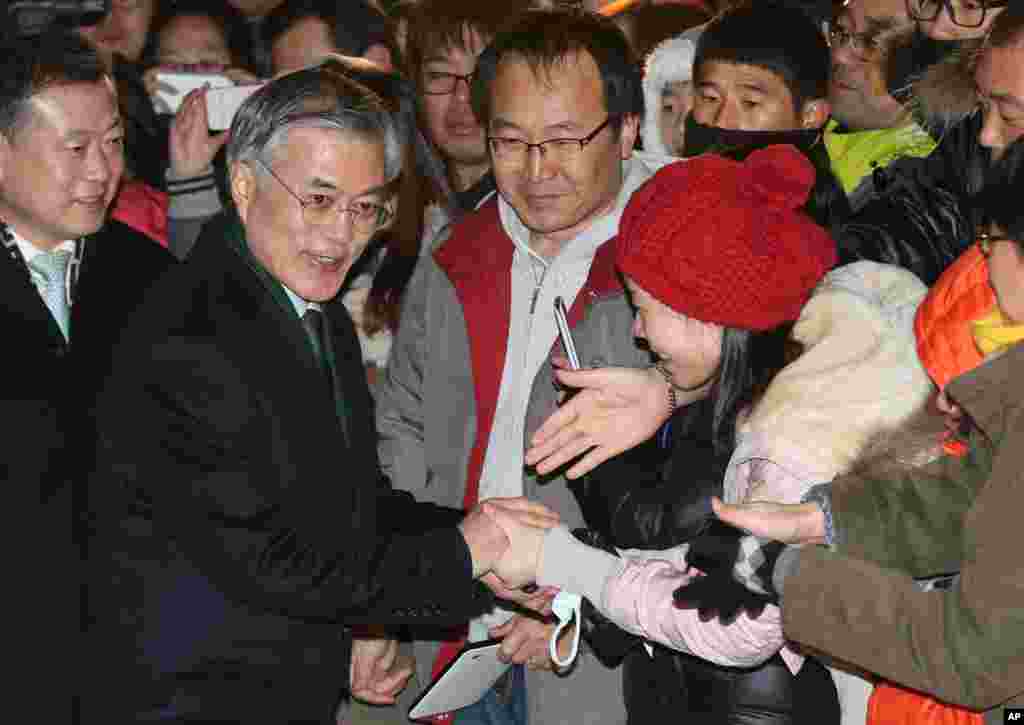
x=198 y=453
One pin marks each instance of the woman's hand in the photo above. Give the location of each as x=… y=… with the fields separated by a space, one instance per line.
x=192 y=146
x=614 y=410
x=798 y=523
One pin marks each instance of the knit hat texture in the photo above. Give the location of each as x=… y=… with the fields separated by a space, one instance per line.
x=725 y=241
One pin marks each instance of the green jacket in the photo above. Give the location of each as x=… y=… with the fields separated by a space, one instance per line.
x=858 y=603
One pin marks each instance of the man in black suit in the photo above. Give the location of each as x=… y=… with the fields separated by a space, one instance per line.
x=69 y=279
x=241 y=519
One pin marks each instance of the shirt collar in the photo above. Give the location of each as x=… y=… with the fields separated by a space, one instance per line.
x=300 y=304
x=30 y=251
x=634 y=173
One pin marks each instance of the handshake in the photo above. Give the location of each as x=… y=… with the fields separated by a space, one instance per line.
x=505 y=537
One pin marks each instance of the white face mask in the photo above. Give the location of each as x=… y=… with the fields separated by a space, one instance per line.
x=566 y=607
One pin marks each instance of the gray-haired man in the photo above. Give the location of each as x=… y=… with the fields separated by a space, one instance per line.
x=240 y=512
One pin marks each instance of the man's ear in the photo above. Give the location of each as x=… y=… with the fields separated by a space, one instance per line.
x=815 y=113
x=627 y=134
x=243 y=187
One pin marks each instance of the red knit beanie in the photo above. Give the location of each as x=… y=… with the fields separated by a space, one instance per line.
x=726 y=241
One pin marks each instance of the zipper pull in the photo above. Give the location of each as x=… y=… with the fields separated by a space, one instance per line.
x=533 y=302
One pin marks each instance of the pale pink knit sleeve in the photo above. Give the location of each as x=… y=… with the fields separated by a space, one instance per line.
x=640 y=601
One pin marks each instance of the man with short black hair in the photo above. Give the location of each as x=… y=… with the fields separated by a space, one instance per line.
x=559 y=101
x=69 y=280
x=750 y=93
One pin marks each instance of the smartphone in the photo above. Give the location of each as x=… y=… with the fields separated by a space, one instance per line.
x=562 y=320
x=223 y=103
x=174 y=85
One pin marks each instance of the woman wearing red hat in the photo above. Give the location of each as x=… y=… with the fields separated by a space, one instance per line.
x=721 y=261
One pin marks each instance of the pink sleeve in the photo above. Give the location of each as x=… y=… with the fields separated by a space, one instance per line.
x=640 y=601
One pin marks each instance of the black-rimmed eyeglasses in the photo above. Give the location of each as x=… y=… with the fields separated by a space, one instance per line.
x=513 y=150
x=965 y=13
x=441 y=84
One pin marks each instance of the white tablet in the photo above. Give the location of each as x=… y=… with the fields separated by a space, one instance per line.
x=463 y=682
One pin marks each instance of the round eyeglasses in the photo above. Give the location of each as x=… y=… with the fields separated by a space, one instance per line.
x=441 y=84
x=965 y=13
x=319 y=209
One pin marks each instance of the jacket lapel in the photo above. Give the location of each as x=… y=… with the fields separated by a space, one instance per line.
x=477 y=259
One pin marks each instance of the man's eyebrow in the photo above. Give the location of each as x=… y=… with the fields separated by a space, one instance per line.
x=80 y=133
x=1015 y=101
x=503 y=124
x=326 y=184
x=752 y=86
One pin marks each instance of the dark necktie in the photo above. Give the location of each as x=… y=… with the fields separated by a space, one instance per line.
x=313 y=323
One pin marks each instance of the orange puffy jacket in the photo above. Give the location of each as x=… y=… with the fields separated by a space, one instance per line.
x=961 y=294
x=893 y=705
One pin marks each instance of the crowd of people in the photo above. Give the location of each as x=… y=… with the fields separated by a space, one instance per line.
x=295 y=421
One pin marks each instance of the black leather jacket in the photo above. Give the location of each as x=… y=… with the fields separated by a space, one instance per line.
x=923 y=212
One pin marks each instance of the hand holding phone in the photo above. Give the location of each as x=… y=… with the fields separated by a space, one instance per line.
x=223 y=103
x=169 y=87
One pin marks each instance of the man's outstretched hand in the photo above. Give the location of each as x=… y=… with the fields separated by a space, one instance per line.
x=504 y=535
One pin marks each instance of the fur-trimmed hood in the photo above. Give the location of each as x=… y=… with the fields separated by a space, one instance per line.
x=858 y=375
x=669 y=62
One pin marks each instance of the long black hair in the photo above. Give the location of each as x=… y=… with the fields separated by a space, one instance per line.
x=749 y=361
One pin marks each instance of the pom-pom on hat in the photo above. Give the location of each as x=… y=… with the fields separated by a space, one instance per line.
x=725 y=241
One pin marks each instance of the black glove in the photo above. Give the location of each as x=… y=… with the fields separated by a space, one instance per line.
x=609 y=642
x=738 y=573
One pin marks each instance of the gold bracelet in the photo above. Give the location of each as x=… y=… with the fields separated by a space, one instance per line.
x=673 y=401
